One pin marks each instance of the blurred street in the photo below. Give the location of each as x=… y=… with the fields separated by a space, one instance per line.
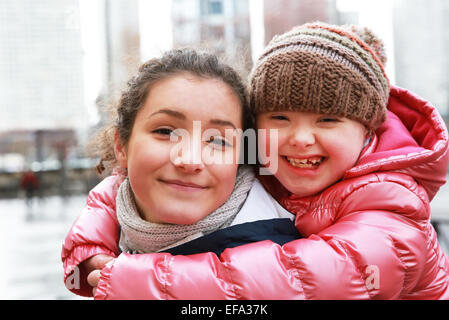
x=30 y=265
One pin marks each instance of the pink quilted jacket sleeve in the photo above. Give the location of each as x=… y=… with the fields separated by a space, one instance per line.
x=96 y=231
x=365 y=254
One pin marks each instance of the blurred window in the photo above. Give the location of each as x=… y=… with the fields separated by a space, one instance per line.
x=209 y=7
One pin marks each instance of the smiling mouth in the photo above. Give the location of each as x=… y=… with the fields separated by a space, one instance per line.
x=183 y=186
x=309 y=163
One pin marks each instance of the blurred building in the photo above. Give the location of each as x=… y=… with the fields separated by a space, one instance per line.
x=41 y=76
x=41 y=67
x=36 y=145
x=42 y=101
x=421 y=33
x=122 y=41
x=280 y=16
x=223 y=26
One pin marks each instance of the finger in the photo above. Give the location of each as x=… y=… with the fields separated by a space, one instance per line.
x=94 y=290
x=93 y=278
x=101 y=260
x=97 y=262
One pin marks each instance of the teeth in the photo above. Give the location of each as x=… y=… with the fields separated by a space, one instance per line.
x=305 y=163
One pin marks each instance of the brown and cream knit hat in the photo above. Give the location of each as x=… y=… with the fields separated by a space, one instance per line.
x=317 y=67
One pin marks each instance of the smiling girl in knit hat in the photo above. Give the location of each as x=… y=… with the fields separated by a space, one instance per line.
x=358 y=163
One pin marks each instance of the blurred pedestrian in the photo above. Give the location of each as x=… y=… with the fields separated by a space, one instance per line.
x=30 y=184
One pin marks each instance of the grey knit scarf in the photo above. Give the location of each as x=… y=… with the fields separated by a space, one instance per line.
x=140 y=236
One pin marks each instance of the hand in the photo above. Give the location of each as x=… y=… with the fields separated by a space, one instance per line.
x=93 y=267
x=92 y=279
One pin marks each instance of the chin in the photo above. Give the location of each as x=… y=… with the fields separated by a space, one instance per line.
x=184 y=216
x=302 y=191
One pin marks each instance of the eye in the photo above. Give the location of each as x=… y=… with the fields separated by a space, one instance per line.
x=163 y=131
x=278 y=117
x=329 y=119
x=219 y=141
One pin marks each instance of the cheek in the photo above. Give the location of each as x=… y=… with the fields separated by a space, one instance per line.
x=345 y=152
x=269 y=141
x=144 y=159
x=225 y=176
x=237 y=147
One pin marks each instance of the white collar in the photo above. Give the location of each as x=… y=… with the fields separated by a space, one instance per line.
x=260 y=205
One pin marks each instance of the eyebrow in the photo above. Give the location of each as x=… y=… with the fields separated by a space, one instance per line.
x=181 y=116
x=223 y=123
x=170 y=112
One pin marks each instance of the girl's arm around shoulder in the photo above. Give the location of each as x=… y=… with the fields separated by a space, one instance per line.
x=96 y=231
x=267 y=273
x=367 y=253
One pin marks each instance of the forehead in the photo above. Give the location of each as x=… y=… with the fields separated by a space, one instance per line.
x=292 y=114
x=307 y=115
x=196 y=97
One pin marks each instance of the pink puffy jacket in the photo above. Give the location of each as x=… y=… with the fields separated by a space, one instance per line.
x=366 y=237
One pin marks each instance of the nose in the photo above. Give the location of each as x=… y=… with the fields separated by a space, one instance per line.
x=189 y=167
x=302 y=137
x=190 y=160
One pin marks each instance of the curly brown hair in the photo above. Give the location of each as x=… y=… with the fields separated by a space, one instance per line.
x=200 y=64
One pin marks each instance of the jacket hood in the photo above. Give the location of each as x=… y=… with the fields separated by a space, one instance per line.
x=414 y=141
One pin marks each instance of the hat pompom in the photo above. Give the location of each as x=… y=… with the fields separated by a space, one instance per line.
x=373 y=41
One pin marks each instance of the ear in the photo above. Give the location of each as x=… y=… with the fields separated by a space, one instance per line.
x=120 y=151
